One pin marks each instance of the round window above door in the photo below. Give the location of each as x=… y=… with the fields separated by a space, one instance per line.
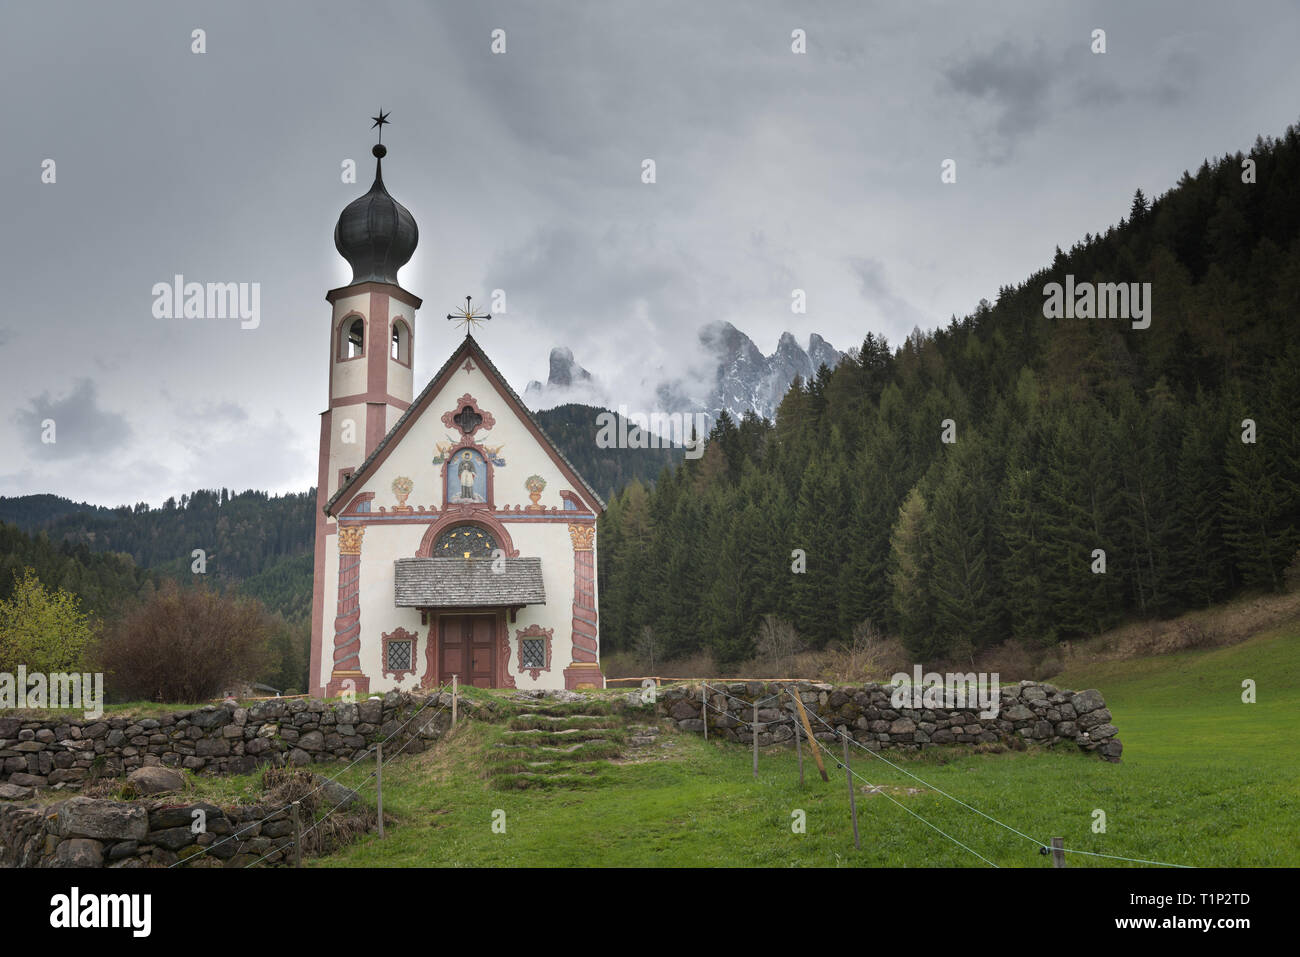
x=464 y=541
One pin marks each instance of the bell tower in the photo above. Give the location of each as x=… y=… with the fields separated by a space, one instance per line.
x=371 y=363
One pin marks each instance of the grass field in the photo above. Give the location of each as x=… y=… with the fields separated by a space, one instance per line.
x=1205 y=780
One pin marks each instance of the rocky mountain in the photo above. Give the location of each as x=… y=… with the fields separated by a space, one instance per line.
x=734 y=375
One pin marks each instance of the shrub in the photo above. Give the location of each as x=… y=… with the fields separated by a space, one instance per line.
x=777 y=641
x=185 y=644
x=42 y=629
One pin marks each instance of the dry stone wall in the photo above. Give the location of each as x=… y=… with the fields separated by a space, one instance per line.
x=83 y=832
x=1028 y=712
x=216 y=739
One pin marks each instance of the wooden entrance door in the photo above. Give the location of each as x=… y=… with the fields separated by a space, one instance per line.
x=469 y=648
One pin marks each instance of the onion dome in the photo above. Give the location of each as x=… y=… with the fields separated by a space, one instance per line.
x=376 y=234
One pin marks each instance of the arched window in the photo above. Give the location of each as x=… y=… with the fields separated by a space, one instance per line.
x=352 y=339
x=465 y=541
x=400 y=346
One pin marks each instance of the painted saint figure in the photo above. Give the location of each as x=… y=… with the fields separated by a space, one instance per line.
x=467 y=476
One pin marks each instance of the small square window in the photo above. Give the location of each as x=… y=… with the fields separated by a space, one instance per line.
x=399 y=656
x=533 y=653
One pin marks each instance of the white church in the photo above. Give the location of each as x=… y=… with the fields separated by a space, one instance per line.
x=452 y=536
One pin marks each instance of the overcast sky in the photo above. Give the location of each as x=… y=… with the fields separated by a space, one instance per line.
x=775 y=171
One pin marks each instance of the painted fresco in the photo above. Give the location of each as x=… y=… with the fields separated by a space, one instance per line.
x=466 y=478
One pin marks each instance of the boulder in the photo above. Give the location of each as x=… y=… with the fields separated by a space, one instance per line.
x=683 y=710
x=79 y=852
x=173 y=838
x=12 y=792
x=337 y=795
x=211 y=717
x=101 y=820
x=1086 y=701
x=156 y=780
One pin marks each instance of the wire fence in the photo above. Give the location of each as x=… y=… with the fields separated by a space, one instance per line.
x=844 y=734
x=325 y=782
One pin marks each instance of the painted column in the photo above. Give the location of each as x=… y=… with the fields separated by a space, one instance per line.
x=347 y=618
x=584 y=670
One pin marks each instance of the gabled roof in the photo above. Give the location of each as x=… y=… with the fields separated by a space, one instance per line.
x=472 y=348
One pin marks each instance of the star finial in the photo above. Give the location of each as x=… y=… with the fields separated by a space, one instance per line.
x=465 y=316
x=380 y=120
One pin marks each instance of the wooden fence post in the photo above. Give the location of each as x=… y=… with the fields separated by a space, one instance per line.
x=798 y=747
x=379 y=783
x=853 y=801
x=297 y=834
x=755 y=729
x=1058 y=852
x=455 y=685
x=817 y=755
x=704 y=708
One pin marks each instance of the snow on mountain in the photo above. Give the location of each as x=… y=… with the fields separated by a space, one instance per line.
x=742 y=380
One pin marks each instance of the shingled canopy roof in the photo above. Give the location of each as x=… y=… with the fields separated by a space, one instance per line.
x=444 y=582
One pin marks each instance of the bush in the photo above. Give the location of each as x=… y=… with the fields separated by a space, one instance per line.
x=44 y=630
x=777 y=641
x=185 y=644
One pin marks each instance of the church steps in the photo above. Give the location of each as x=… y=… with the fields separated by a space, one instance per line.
x=532 y=779
x=538 y=722
x=573 y=744
x=567 y=735
x=586 y=751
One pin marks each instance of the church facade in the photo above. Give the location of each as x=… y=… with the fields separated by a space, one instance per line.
x=452 y=536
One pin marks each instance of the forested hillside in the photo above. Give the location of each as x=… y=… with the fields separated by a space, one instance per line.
x=106 y=583
x=240 y=534
x=1071 y=435
x=573 y=429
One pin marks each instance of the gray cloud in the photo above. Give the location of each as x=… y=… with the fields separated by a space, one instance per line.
x=81 y=427
x=1014 y=82
x=876 y=289
x=776 y=171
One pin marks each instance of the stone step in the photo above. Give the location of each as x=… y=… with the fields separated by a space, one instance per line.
x=539 y=736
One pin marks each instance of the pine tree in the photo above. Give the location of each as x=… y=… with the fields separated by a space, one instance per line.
x=909 y=559
x=817 y=529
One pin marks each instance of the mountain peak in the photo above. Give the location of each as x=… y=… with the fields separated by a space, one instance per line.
x=744 y=380
x=564 y=371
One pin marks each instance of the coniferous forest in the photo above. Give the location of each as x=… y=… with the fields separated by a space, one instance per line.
x=1174 y=450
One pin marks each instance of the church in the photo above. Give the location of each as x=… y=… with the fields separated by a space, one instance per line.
x=452 y=536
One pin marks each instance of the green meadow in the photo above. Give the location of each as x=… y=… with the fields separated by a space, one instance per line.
x=1205 y=780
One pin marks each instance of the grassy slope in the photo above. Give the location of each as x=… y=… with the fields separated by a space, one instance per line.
x=1205 y=780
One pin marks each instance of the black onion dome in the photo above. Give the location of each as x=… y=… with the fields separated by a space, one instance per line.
x=376 y=234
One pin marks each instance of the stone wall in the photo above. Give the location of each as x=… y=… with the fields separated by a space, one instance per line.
x=216 y=739
x=1029 y=713
x=82 y=832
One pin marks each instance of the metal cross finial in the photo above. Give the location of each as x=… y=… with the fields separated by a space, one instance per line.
x=467 y=317
x=380 y=120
